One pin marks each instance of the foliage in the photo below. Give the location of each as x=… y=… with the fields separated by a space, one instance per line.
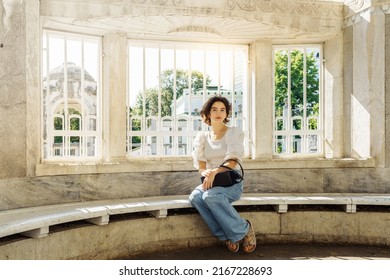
x=296 y=84
x=74 y=124
x=167 y=92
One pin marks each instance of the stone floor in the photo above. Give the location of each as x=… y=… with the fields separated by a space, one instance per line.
x=278 y=252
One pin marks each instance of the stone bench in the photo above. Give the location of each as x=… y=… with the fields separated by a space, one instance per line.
x=36 y=221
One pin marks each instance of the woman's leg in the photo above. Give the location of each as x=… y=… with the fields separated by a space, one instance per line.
x=216 y=210
x=219 y=202
x=196 y=200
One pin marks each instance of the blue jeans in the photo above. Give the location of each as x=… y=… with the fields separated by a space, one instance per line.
x=215 y=207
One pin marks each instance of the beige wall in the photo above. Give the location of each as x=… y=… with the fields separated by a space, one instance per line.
x=122 y=239
x=387 y=89
x=357 y=111
x=13 y=101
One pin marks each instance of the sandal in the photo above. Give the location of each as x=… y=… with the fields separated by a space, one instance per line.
x=232 y=246
x=249 y=241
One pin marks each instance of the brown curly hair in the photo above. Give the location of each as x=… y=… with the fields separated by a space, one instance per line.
x=206 y=109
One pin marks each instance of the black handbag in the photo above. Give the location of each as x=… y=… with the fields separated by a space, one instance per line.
x=227 y=178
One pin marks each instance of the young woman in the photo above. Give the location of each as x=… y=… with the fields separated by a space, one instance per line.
x=214 y=204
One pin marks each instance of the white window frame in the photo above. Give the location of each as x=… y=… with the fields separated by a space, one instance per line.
x=159 y=134
x=305 y=133
x=67 y=153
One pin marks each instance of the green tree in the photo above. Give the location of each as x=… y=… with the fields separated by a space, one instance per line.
x=74 y=124
x=296 y=86
x=167 y=92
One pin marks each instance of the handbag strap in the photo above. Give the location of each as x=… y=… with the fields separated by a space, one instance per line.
x=227 y=167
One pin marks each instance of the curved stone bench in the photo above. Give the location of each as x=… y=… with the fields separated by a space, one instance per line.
x=36 y=221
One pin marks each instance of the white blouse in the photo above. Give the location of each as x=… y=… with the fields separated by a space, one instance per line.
x=214 y=152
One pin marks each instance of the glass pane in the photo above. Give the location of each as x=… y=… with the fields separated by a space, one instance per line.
x=226 y=75
x=313 y=123
x=92 y=124
x=151 y=145
x=297 y=69
x=152 y=124
x=197 y=81
x=91 y=146
x=197 y=124
x=281 y=84
x=151 y=81
x=167 y=70
x=297 y=123
x=212 y=70
x=58 y=122
x=58 y=145
x=91 y=78
x=75 y=146
x=313 y=145
x=313 y=83
x=182 y=82
x=182 y=145
x=279 y=124
x=135 y=124
x=74 y=122
x=136 y=78
x=135 y=145
x=296 y=144
x=280 y=144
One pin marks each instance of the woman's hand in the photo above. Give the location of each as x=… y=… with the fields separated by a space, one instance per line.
x=209 y=175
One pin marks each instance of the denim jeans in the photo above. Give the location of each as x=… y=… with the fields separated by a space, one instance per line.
x=215 y=207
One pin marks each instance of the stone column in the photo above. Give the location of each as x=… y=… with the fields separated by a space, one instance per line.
x=13 y=88
x=376 y=76
x=387 y=89
x=368 y=96
x=333 y=98
x=262 y=100
x=348 y=89
x=114 y=102
x=33 y=92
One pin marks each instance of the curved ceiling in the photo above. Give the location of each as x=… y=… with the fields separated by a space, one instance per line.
x=228 y=21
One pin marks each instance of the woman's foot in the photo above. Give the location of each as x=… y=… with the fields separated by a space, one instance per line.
x=249 y=241
x=232 y=246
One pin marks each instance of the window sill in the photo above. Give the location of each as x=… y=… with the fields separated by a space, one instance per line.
x=185 y=164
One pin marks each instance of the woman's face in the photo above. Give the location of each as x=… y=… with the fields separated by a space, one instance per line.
x=218 y=112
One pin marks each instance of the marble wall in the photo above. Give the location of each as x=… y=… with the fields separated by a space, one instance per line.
x=387 y=88
x=361 y=125
x=12 y=89
x=46 y=190
x=347 y=88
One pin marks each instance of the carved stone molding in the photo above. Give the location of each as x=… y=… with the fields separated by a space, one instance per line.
x=356 y=5
x=104 y=8
x=378 y=7
x=223 y=18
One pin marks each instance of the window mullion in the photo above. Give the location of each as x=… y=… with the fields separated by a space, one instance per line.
x=66 y=145
x=289 y=107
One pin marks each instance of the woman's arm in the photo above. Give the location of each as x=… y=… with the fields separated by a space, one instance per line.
x=210 y=174
x=202 y=166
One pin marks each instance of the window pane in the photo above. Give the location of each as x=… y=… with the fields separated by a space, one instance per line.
x=180 y=77
x=136 y=80
x=297 y=100
x=281 y=84
x=313 y=87
x=70 y=95
x=296 y=70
